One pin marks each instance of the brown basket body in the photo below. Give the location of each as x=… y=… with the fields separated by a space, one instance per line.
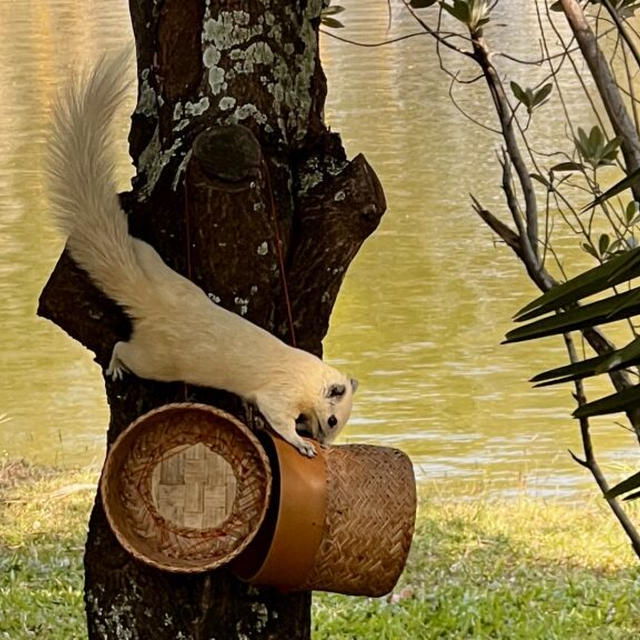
x=341 y=522
x=185 y=487
x=370 y=518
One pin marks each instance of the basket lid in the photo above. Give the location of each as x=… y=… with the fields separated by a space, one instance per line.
x=185 y=487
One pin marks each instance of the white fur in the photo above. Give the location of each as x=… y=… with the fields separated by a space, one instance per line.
x=178 y=333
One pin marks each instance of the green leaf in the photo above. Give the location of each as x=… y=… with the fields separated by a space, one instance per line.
x=626 y=302
x=618 y=246
x=542 y=94
x=603 y=243
x=600 y=312
x=594 y=149
x=567 y=166
x=611 y=148
x=596 y=138
x=459 y=10
x=590 y=250
x=617 y=188
x=619 y=359
x=331 y=22
x=574 y=371
x=519 y=93
x=616 y=402
x=542 y=179
x=594 y=280
x=583 y=138
x=336 y=8
x=421 y=4
x=630 y=483
x=556 y=6
x=630 y=211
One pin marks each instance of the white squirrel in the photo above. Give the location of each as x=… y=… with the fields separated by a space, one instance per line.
x=178 y=334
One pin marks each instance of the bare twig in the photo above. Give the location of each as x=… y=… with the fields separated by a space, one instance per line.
x=464 y=113
x=510 y=237
x=631 y=91
x=621 y=30
x=501 y=102
x=382 y=43
x=577 y=72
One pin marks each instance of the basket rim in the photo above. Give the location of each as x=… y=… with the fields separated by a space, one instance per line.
x=108 y=472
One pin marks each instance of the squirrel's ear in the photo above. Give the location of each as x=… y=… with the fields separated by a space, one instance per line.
x=354 y=384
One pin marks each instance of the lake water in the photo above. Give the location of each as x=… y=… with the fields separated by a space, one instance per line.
x=423 y=308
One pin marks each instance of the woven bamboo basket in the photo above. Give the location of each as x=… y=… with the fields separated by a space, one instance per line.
x=185 y=487
x=342 y=521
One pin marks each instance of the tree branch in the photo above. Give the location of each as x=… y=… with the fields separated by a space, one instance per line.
x=607 y=87
x=334 y=220
x=503 y=109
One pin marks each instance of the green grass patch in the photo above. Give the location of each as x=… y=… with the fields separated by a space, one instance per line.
x=518 y=569
x=43 y=516
x=478 y=568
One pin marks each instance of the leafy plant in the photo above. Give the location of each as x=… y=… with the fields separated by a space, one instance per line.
x=605 y=229
x=594 y=149
x=566 y=314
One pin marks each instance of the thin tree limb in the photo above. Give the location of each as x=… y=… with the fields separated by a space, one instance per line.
x=607 y=87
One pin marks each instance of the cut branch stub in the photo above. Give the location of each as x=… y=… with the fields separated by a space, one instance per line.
x=230 y=236
x=71 y=301
x=229 y=155
x=334 y=220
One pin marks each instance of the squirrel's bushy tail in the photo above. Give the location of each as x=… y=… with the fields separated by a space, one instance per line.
x=81 y=181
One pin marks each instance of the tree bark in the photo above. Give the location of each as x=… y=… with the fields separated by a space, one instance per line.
x=216 y=204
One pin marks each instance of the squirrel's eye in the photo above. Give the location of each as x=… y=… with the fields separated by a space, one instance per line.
x=336 y=390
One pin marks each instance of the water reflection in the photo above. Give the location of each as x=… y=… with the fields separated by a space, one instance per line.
x=424 y=306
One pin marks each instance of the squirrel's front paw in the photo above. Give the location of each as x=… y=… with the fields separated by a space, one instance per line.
x=305 y=448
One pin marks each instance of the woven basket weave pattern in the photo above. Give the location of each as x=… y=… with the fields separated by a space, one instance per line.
x=194 y=487
x=370 y=516
x=185 y=444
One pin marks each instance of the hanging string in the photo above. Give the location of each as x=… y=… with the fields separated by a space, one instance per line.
x=278 y=243
x=187 y=234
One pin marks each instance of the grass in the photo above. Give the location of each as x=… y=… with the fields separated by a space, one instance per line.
x=518 y=569
x=521 y=569
x=43 y=517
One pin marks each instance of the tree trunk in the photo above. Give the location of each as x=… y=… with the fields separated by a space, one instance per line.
x=216 y=204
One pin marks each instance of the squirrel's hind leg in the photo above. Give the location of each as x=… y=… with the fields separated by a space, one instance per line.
x=117 y=368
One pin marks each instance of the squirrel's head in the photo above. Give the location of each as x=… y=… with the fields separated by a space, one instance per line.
x=333 y=407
